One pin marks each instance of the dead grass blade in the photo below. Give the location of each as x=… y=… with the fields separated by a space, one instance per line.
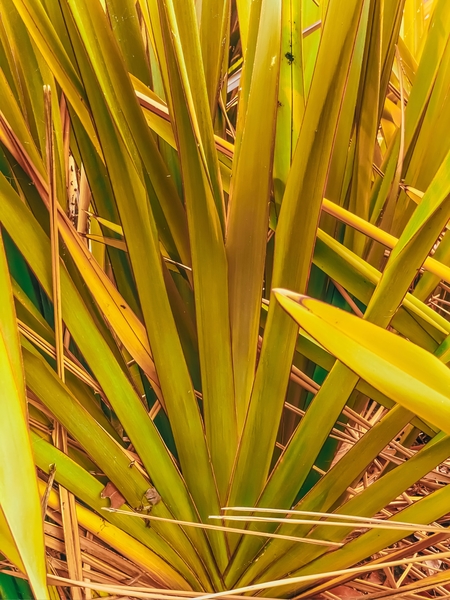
x=227 y=529
x=354 y=520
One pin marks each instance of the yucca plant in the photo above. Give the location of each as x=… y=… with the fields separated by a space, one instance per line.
x=182 y=184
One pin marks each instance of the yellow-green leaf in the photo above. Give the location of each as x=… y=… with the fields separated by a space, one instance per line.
x=19 y=495
x=403 y=371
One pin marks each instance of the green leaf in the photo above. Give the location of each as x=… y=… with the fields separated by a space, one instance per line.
x=214 y=23
x=35 y=247
x=44 y=36
x=249 y=205
x=88 y=489
x=341 y=381
x=244 y=10
x=143 y=246
x=413 y=247
x=117 y=90
x=366 y=119
x=291 y=93
x=99 y=445
x=210 y=282
x=125 y=25
x=298 y=220
x=18 y=485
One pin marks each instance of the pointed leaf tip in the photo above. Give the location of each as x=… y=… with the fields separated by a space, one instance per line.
x=401 y=370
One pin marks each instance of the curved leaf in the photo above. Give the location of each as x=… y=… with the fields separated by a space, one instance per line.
x=403 y=371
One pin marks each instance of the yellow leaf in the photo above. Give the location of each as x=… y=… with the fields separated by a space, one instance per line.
x=396 y=367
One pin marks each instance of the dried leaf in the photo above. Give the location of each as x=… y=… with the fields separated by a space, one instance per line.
x=152 y=496
x=115 y=497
